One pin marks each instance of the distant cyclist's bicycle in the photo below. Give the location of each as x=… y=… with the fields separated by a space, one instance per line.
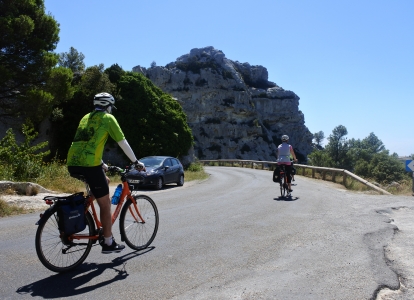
x=138 y=225
x=284 y=189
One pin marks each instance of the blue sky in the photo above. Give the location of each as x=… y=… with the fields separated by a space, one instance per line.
x=350 y=62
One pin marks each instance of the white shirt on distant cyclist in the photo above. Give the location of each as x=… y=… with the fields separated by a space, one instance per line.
x=284 y=151
x=283 y=158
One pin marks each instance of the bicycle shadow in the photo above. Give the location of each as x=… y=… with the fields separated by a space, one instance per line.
x=286 y=198
x=70 y=283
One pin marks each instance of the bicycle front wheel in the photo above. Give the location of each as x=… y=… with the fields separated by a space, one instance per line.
x=139 y=227
x=54 y=250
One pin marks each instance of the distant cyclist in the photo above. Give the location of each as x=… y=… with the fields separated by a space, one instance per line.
x=284 y=151
x=85 y=157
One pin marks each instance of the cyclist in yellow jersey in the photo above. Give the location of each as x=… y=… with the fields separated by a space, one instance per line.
x=85 y=157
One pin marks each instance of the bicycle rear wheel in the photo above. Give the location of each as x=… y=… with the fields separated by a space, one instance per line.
x=138 y=234
x=57 y=253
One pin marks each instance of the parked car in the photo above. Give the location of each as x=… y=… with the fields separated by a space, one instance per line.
x=161 y=170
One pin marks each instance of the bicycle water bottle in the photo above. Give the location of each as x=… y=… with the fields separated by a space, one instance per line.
x=117 y=194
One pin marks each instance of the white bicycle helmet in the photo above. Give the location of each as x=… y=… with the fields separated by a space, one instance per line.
x=285 y=138
x=104 y=100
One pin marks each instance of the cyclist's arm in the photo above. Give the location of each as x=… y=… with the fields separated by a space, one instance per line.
x=127 y=150
x=293 y=153
x=104 y=166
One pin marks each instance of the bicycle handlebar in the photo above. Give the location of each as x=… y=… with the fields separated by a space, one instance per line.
x=123 y=171
x=115 y=168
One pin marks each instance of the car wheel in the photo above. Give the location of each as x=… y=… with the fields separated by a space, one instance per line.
x=180 y=181
x=159 y=183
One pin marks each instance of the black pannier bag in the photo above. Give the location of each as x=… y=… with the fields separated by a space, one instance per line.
x=71 y=213
x=276 y=174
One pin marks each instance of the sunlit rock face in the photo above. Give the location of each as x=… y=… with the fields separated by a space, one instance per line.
x=232 y=108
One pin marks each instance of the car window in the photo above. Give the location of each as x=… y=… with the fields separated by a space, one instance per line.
x=167 y=163
x=174 y=161
x=151 y=162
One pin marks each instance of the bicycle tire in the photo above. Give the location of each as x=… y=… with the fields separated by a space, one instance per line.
x=139 y=235
x=52 y=252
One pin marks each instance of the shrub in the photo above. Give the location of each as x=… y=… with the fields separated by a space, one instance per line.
x=195 y=167
x=21 y=161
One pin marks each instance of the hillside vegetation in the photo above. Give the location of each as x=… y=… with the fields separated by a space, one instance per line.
x=367 y=158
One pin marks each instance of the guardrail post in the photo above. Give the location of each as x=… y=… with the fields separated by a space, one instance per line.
x=323 y=175
x=333 y=176
x=344 y=179
x=313 y=173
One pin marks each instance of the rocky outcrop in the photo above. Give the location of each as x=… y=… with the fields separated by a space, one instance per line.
x=232 y=108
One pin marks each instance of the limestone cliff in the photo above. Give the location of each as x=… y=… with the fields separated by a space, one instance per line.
x=232 y=108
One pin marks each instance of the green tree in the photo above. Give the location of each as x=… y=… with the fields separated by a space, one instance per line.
x=28 y=37
x=338 y=147
x=72 y=60
x=66 y=116
x=361 y=151
x=385 y=168
x=318 y=137
x=94 y=81
x=320 y=158
x=372 y=143
x=38 y=103
x=115 y=72
x=153 y=122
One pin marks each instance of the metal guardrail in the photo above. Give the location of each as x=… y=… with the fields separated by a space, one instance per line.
x=335 y=172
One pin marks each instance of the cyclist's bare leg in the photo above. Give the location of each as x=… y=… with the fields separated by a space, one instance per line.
x=105 y=214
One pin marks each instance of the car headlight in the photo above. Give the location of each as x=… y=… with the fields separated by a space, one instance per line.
x=152 y=172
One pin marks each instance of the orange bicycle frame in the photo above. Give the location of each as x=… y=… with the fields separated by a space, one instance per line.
x=125 y=193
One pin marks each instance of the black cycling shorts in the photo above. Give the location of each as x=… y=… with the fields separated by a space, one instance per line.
x=95 y=177
x=288 y=170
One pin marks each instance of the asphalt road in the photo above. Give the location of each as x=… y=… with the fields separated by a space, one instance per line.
x=231 y=237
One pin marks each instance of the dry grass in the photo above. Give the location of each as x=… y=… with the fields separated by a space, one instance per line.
x=10 y=210
x=55 y=177
x=198 y=175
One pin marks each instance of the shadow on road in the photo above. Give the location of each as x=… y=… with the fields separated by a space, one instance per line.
x=63 y=284
x=280 y=198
